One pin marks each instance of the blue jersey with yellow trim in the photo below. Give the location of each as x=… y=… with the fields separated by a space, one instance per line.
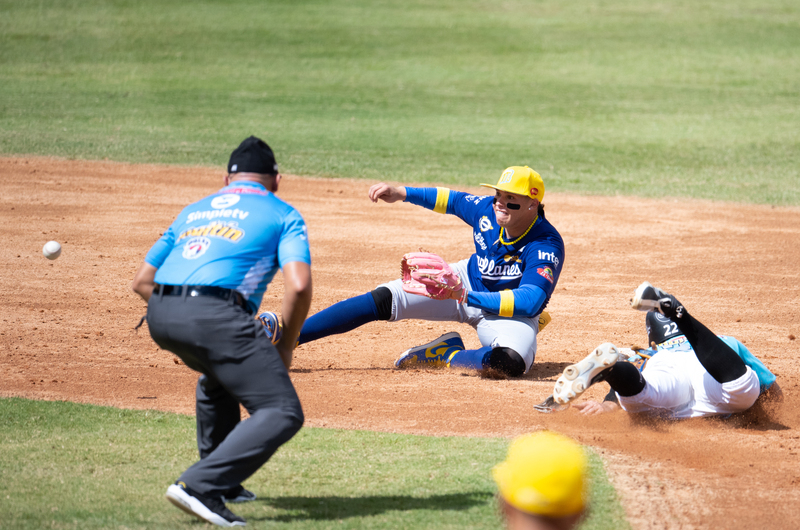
x=498 y=266
x=236 y=238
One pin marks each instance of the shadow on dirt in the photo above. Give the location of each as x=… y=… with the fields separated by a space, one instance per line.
x=333 y=507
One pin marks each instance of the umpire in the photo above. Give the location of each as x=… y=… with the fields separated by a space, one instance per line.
x=203 y=281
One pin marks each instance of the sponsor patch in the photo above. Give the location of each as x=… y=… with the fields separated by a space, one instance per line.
x=224 y=201
x=225 y=230
x=546 y=273
x=485 y=224
x=246 y=191
x=673 y=343
x=196 y=247
x=214 y=214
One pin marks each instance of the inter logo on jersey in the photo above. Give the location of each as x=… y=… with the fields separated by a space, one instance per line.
x=196 y=247
x=549 y=256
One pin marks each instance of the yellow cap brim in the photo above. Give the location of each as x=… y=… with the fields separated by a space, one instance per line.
x=507 y=190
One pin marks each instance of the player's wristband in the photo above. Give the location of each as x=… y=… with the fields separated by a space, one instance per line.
x=463 y=298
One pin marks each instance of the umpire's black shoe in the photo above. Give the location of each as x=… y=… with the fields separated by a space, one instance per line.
x=238 y=494
x=208 y=509
x=649 y=298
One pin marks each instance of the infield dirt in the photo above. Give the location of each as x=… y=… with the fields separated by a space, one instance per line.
x=67 y=330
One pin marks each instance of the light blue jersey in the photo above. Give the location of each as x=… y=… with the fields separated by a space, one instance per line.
x=237 y=238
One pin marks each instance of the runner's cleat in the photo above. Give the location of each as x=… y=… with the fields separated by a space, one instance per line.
x=580 y=376
x=436 y=352
x=649 y=298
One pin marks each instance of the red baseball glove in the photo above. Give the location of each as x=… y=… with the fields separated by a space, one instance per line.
x=427 y=274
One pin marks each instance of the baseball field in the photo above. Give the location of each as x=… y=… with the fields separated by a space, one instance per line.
x=667 y=137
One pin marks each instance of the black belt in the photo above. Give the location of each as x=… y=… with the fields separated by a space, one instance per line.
x=203 y=290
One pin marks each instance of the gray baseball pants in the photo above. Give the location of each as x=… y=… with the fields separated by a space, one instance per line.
x=239 y=365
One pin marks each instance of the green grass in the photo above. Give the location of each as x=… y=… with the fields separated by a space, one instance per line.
x=70 y=466
x=673 y=98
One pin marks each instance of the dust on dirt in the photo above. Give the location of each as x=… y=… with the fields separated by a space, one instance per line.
x=67 y=330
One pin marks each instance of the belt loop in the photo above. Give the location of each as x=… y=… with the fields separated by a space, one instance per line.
x=184 y=292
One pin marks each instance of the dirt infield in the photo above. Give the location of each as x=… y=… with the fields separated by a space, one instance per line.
x=68 y=324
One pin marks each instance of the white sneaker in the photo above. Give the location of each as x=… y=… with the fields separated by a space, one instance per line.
x=209 y=509
x=580 y=376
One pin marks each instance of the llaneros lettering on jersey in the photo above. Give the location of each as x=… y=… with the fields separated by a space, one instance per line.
x=214 y=214
x=225 y=230
x=495 y=271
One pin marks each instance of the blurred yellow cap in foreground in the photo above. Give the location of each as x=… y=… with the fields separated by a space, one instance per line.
x=544 y=473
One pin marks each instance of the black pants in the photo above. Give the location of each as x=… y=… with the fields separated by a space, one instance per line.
x=239 y=365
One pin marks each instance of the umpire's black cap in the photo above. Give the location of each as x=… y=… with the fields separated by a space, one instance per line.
x=253 y=156
x=660 y=328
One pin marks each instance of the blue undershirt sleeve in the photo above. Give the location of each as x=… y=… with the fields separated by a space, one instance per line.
x=524 y=301
x=425 y=197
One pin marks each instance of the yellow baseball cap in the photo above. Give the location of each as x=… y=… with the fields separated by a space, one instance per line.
x=521 y=180
x=544 y=474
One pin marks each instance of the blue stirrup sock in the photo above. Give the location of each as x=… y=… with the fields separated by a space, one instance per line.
x=342 y=317
x=473 y=359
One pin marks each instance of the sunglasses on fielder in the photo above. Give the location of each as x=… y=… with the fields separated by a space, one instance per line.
x=509 y=205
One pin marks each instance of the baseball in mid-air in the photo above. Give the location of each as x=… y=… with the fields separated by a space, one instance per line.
x=51 y=249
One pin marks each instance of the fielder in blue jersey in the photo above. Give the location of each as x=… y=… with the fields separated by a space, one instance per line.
x=508 y=280
x=204 y=280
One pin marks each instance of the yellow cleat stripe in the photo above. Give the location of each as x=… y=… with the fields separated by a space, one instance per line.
x=442 y=197
x=450 y=358
x=506 y=304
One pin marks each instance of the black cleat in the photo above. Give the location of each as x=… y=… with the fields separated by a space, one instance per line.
x=238 y=494
x=649 y=298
